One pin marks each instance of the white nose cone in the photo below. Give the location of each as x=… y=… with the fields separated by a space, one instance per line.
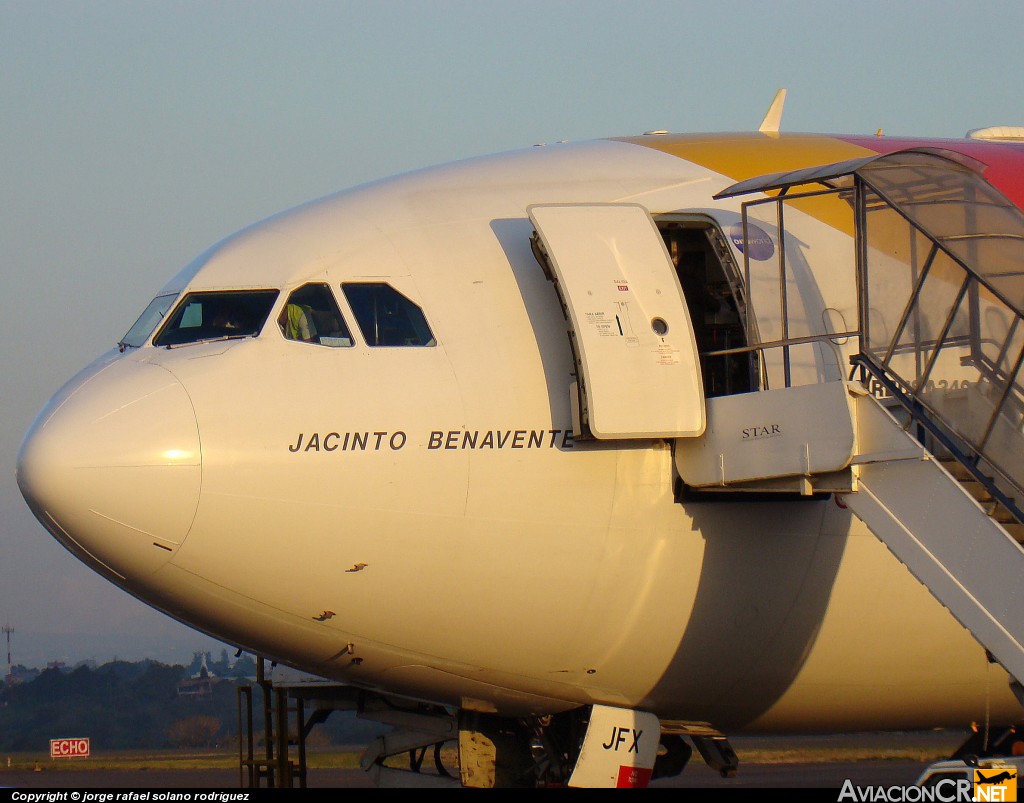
x=113 y=468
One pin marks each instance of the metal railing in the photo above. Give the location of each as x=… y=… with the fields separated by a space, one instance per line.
x=934 y=328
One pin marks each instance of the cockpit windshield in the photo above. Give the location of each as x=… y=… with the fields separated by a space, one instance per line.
x=386 y=317
x=216 y=316
x=147 y=322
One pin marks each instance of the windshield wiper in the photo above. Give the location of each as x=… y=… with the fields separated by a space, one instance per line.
x=217 y=339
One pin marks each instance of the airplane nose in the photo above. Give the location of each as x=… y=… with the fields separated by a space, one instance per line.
x=113 y=467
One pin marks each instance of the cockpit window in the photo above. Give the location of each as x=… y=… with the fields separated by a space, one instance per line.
x=386 y=317
x=147 y=322
x=312 y=316
x=215 y=316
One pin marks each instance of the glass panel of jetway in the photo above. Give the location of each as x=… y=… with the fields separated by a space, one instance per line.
x=798 y=324
x=943 y=254
x=799 y=319
x=940 y=287
x=638 y=372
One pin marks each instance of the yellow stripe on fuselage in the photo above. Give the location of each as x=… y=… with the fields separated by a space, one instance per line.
x=743 y=156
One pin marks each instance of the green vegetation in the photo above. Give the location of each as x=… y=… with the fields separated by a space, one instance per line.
x=150 y=715
x=141 y=706
x=120 y=706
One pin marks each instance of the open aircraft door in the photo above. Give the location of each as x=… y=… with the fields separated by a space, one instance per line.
x=637 y=368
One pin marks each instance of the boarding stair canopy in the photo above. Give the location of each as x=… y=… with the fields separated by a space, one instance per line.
x=940 y=255
x=929 y=452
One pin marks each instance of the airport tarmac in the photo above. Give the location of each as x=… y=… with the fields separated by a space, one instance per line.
x=821 y=761
x=823 y=775
x=752 y=776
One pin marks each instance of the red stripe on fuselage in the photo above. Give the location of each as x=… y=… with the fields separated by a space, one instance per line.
x=1004 y=160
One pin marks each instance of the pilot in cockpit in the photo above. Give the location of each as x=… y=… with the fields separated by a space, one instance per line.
x=296 y=323
x=225 y=319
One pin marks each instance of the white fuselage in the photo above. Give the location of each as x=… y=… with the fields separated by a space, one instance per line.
x=420 y=520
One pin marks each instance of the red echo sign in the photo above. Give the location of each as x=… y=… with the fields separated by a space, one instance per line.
x=69 y=748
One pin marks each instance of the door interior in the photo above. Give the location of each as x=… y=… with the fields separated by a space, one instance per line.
x=638 y=373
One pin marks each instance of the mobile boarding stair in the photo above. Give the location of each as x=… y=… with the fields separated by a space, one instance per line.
x=924 y=441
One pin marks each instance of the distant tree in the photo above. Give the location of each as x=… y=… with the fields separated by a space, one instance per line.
x=198 y=659
x=193 y=668
x=127 y=705
x=244 y=667
x=194 y=731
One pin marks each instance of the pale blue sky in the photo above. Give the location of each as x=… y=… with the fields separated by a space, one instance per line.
x=135 y=134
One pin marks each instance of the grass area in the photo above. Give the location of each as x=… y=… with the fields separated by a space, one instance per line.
x=827 y=755
x=341 y=758
x=923 y=746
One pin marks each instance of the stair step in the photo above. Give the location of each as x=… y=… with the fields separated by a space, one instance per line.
x=1016 y=531
x=1002 y=514
x=959 y=471
x=956 y=468
x=977 y=490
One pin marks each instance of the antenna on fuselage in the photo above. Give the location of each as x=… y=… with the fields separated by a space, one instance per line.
x=772 y=120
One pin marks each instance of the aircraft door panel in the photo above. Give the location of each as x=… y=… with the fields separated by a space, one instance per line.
x=638 y=371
